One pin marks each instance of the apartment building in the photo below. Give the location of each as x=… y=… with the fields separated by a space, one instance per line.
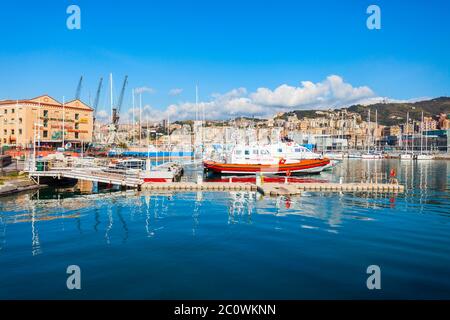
x=46 y=121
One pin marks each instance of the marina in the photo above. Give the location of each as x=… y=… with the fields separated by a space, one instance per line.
x=229 y=232
x=224 y=158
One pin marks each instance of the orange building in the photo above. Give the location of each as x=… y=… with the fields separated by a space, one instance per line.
x=42 y=119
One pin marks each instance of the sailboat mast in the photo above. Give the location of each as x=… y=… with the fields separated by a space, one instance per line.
x=111 y=95
x=133 y=116
x=407 y=123
x=421 y=135
x=369 y=136
x=376 y=125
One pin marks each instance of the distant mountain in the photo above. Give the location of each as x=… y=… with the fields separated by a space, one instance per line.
x=389 y=113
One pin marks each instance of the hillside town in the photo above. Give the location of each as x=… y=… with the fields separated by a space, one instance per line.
x=28 y=123
x=328 y=130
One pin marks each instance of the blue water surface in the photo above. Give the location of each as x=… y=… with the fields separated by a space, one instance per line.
x=233 y=245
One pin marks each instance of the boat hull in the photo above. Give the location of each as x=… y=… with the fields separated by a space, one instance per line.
x=424 y=157
x=371 y=157
x=304 y=166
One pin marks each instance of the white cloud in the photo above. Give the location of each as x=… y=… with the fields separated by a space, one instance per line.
x=144 y=89
x=331 y=92
x=175 y=91
x=374 y=100
x=102 y=116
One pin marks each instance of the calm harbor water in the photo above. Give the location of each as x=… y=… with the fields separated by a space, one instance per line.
x=233 y=245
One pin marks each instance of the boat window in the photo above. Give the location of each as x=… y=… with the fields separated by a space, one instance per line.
x=238 y=152
x=247 y=152
x=298 y=150
x=264 y=152
x=280 y=150
x=255 y=152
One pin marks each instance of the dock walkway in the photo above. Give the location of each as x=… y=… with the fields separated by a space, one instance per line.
x=276 y=189
x=269 y=189
x=92 y=174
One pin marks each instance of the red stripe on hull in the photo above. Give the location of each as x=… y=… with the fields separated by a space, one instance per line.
x=157 y=180
x=281 y=168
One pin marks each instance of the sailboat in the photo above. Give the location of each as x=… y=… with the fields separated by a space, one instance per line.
x=371 y=155
x=406 y=155
x=423 y=156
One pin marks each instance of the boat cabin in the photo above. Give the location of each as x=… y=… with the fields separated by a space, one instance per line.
x=251 y=155
x=293 y=151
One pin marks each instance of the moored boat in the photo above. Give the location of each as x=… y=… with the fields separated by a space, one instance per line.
x=302 y=166
x=255 y=159
x=406 y=156
x=424 y=157
x=372 y=156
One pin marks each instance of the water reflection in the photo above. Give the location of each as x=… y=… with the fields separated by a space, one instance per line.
x=121 y=215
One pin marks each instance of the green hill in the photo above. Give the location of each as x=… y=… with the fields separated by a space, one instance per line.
x=391 y=113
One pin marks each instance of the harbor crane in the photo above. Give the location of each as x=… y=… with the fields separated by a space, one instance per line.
x=114 y=126
x=78 y=92
x=97 y=96
x=95 y=105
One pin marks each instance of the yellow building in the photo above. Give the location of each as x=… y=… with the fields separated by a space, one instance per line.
x=42 y=119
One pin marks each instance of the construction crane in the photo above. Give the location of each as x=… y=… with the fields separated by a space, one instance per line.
x=97 y=96
x=78 y=92
x=95 y=105
x=113 y=128
x=116 y=110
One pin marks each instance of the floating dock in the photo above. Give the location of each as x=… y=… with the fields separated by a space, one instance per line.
x=205 y=186
x=276 y=189
x=265 y=188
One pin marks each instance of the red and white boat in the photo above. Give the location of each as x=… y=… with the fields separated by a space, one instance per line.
x=255 y=159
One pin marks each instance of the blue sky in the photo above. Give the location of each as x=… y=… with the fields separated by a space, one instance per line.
x=222 y=46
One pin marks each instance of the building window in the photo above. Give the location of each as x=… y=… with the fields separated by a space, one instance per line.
x=76 y=135
x=12 y=110
x=5 y=132
x=45 y=134
x=12 y=131
x=20 y=131
x=5 y=111
x=45 y=113
x=20 y=120
x=77 y=116
x=77 y=125
x=45 y=123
